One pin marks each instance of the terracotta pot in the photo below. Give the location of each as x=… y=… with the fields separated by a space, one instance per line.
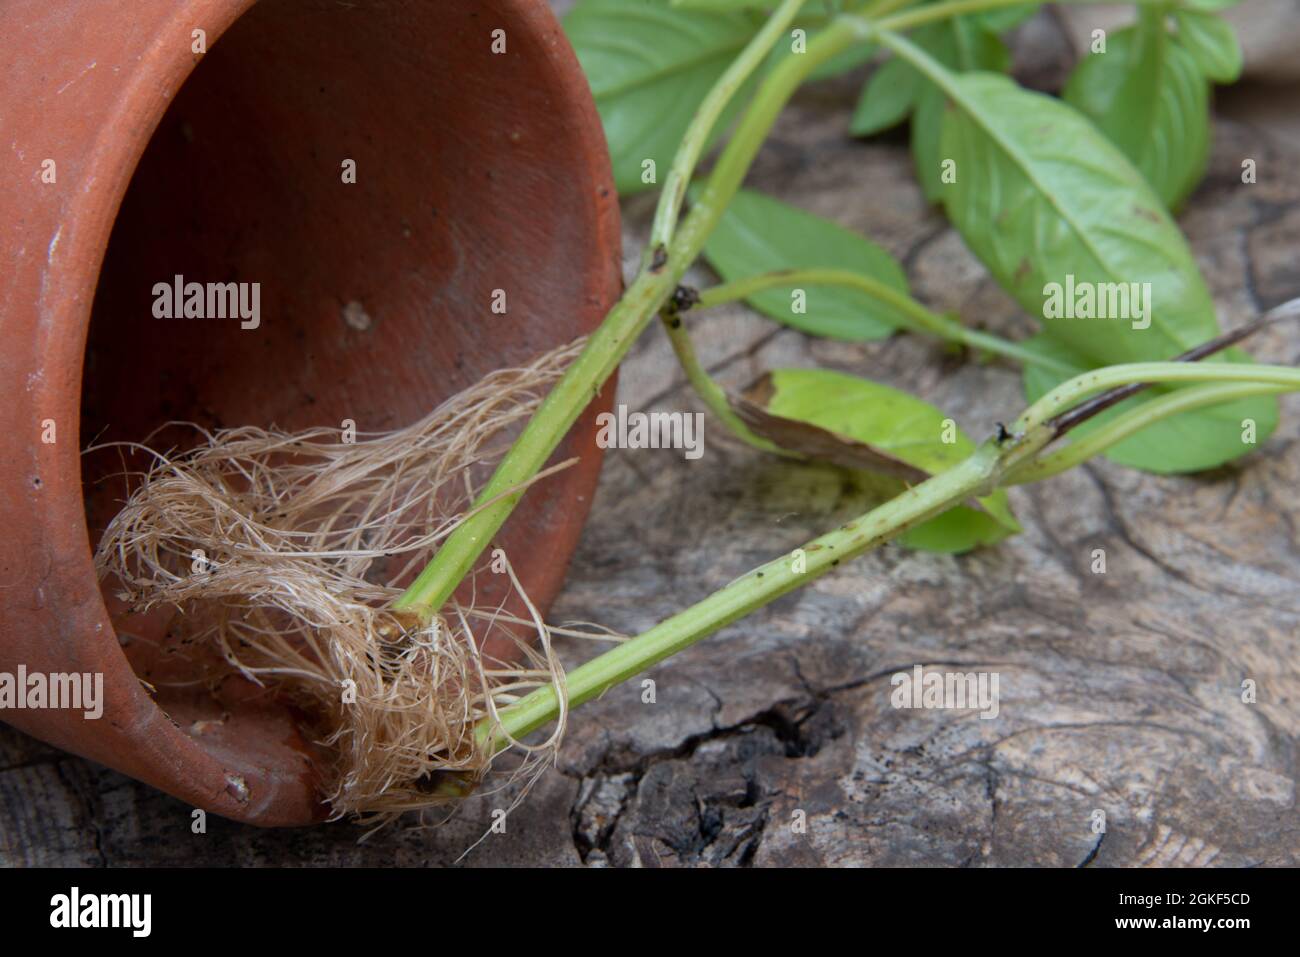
x=476 y=171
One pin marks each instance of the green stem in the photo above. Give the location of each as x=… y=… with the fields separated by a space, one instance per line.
x=917 y=319
x=706 y=118
x=582 y=381
x=713 y=395
x=920 y=319
x=610 y=342
x=1132 y=421
x=766 y=105
x=978 y=475
x=755 y=589
x=957 y=8
x=1080 y=387
x=880 y=8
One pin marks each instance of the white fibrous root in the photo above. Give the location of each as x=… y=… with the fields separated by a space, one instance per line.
x=282 y=552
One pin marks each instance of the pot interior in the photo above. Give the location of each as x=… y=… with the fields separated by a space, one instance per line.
x=375 y=296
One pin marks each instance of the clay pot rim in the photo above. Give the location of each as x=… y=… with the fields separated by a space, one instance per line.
x=119 y=146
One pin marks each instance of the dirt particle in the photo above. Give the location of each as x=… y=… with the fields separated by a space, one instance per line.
x=684 y=297
x=237 y=788
x=356 y=317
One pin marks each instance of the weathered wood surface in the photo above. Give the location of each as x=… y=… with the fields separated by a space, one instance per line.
x=1120 y=692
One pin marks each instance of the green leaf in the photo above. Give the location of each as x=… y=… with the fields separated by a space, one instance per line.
x=897 y=89
x=758 y=234
x=961 y=44
x=927 y=125
x=1041 y=196
x=825 y=7
x=904 y=427
x=1147 y=94
x=1045 y=201
x=1212 y=43
x=886 y=99
x=1210 y=5
x=715 y=5
x=841 y=63
x=1189 y=442
x=1006 y=18
x=650 y=65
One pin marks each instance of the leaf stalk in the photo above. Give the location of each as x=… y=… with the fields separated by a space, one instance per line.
x=606 y=347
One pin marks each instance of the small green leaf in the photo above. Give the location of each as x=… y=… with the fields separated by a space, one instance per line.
x=824 y=7
x=962 y=44
x=649 y=65
x=1147 y=94
x=841 y=63
x=965 y=44
x=1006 y=18
x=758 y=234
x=715 y=5
x=1189 y=442
x=896 y=90
x=886 y=99
x=927 y=126
x=1212 y=43
x=903 y=427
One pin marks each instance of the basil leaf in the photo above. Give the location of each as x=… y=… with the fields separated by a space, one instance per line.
x=887 y=98
x=841 y=63
x=714 y=5
x=961 y=44
x=1212 y=43
x=827 y=7
x=903 y=427
x=1147 y=94
x=1006 y=18
x=649 y=65
x=1041 y=196
x=758 y=234
x=1188 y=442
x=897 y=89
x=1047 y=202
x=927 y=127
